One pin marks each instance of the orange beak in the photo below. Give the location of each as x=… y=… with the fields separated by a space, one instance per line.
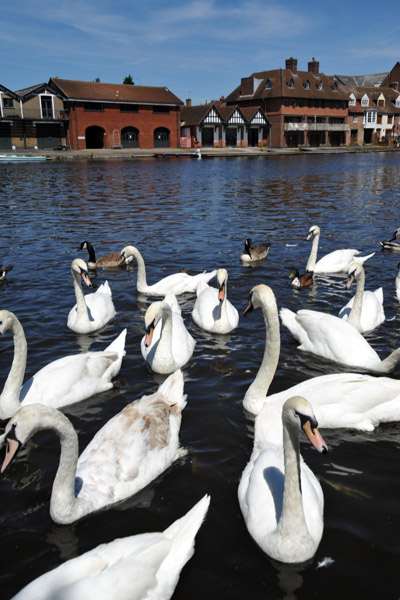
x=315 y=438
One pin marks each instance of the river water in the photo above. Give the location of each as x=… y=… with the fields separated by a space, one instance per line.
x=197 y=215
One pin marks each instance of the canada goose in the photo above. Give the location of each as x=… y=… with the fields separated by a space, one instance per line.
x=106 y=261
x=254 y=253
x=393 y=245
x=5 y=270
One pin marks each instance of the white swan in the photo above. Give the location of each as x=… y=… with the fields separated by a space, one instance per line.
x=339 y=400
x=167 y=345
x=125 y=455
x=113 y=259
x=335 y=339
x=254 y=253
x=393 y=245
x=180 y=283
x=280 y=497
x=64 y=381
x=212 y=310
x=93 y=311
x=397 y=282
x=337 y=261
x=365 y=310
x=146 y=565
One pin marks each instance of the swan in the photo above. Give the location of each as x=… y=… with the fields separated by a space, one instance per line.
x=353 y=400
x=281 y=499
x=93 y=311
x=337 y=261
x=126 y=454
x=335 y=339
x=107 y=260
x=254 y=253
x=299 y=281
x=64 y=381
x=146 y=565
x=397 y=282
x=180 y=283
x=167 y=345
x=212 y=310
x=365 y=310
x=5 y=270
x=393 y=245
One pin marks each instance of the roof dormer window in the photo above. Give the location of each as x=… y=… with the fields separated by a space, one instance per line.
x=320 y=86
x=268 y=85
x=365 y=100
x=307 y=85
x=334 y=87
x=352 y=101
x=291 y=83
x=397 y=103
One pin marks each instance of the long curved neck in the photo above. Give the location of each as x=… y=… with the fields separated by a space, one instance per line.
x=292 y=517
x=312 y=259
x=141 y=282
x=355 y=313
x=165 y=343
x=267 y=369
x=9 y=399
x=63 y=503
x=92 y=255
x=81 y=308
x=389 y=363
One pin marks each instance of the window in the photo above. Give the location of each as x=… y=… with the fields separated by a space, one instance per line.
x=47 y=107
x=369 y=117
x=320 y=86
x=8 y=102
x=397 y=103
x=310 y=103
x=335 y=120
x=268 y=85
x=334 y=87
x=365 y=100
x=94 y=106
x=307 y=85
x=390 y=120
x=161 y=109
x=129 y=108
x=352 y=101
x=355 y=119
x=291 y=83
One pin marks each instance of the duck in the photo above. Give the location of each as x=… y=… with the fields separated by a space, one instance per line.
x=167 y=345
x=340 y=400
x=126 y=454
x=281 y=499
x=299 y=281
x=365 y=310
x=112 y=259
x=212 y=310
x=180 y=283
x=337 y=261
x=254 y=253
x=5 y=270
x=393 y=245
x=64 y=381
x=91 y=311
x=145 y=565
x=335 y=339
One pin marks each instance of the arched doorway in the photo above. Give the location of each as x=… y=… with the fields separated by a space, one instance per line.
x=161 y=138
x=130 y=137
x=94 y=137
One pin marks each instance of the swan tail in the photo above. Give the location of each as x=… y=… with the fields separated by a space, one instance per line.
x=104 y=288
x=362 y=259
x=201 y=286
x=172 y=390
x=118 y=345
x=288 y=318
x=379 y=294
x=171 y=300
x=181 y=536
x=206 y=276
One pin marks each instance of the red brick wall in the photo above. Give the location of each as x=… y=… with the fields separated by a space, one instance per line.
x=145 y=121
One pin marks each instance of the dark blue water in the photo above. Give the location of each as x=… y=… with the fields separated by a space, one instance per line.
x=197 y=214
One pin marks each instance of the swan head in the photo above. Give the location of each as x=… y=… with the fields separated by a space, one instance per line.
x=260 y=295
x=7 y=320
x=23 y=425
x=127 y=253
x=79 y=267
x=297 y=413
x=354 y=271
x=151 y=318
x=222 y=278
x=313 y=231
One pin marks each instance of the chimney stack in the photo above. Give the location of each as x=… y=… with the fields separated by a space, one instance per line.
x=291 y=64
x=188 y=102
x=313 y=66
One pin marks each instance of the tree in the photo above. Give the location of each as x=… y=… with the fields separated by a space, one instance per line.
x=128 y=80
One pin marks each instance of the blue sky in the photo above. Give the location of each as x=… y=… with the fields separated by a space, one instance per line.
x=199 y=49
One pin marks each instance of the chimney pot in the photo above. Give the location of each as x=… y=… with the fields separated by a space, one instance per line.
x=313 y=66
x=291 y=64
x=188 y=102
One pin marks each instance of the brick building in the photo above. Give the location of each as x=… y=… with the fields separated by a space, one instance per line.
x=305 y=108
x=107 y=115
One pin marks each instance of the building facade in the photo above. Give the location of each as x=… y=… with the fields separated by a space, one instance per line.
x=304 y=108
x=105 y=115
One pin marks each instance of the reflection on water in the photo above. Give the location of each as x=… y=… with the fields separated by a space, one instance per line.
x=196 y=215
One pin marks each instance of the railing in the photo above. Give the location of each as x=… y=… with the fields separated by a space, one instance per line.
x=316 y=127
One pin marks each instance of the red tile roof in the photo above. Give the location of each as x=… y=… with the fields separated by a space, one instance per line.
x=114 y=92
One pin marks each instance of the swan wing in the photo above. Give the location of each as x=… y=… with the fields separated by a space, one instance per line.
x=180 y=283
x=372 y=312
x=339 y=261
